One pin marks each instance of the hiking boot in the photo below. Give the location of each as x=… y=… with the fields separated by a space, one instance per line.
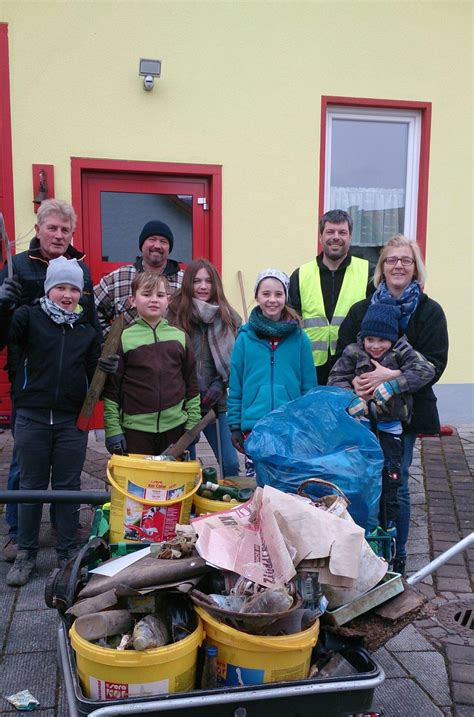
x=399 y=565
x=21 y=570
x=10 y=550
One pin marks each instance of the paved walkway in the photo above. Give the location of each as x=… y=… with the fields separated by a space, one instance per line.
x=429 y=665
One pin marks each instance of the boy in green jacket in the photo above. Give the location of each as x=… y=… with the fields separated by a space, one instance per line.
x=154 y=396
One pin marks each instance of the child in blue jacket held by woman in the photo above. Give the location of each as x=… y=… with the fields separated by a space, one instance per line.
x=271 y=363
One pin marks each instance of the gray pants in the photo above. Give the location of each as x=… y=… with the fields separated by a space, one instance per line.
x=47 y=452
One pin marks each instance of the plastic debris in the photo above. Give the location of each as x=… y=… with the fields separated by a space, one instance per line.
x=150 y=632
x=23 y=701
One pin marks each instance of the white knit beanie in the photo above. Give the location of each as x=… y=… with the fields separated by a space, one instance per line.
x=273 y=274
x=63 y=271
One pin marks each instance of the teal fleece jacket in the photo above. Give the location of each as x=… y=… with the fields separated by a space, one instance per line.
x=262 y=379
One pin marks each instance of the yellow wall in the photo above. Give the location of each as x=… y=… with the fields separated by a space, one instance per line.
x=241 y=86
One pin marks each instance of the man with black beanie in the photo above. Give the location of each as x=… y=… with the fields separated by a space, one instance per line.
x=112 y=292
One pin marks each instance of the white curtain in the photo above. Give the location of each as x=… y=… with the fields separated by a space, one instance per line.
x=377 y=213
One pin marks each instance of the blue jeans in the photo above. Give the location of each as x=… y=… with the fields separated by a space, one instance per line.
x=403 y=520
x=230 y=460
x=11 y=510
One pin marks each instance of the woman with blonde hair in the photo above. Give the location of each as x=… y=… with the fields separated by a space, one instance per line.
x=399 y=279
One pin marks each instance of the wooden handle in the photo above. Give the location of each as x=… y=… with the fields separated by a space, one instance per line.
x=242 y=294
x=98 y=380
x=177 y=449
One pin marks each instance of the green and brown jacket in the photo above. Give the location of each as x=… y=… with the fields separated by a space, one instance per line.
x=155 y=388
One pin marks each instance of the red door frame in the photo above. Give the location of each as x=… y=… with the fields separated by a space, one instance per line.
x=7 y=206
x=94 y=183
x=425 y=108
x=211 y=172
x=6 y=161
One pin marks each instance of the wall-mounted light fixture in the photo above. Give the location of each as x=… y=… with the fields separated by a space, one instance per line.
x=43 y=183
x=149 y=69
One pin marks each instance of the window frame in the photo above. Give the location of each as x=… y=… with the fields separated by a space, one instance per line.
x=416 y=176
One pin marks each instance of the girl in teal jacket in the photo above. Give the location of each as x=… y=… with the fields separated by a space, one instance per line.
x=272 y=362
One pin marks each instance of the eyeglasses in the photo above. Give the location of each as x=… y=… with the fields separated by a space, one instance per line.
x=393 y=260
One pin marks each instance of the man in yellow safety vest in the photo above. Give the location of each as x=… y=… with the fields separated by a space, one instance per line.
x=324 y=289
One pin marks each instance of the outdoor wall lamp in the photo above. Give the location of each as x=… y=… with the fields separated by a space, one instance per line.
x=149 y=69
x=43 y=183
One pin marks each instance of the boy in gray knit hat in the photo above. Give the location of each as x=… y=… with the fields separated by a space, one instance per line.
x=57 y=350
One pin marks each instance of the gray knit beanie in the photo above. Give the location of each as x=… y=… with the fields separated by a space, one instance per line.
x=63 y=271
x=273 y=274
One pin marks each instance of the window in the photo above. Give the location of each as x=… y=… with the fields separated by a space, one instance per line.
x=372 y=164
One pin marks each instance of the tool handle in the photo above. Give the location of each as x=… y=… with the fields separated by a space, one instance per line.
x=98 y=380
x=7 y=247
x=177 y=449
x=242 y=294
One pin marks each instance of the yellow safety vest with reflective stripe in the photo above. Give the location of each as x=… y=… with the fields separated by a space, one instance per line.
x=321 y=333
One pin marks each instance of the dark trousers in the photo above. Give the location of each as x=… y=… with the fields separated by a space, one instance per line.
x=47 y=452
x=151 y=444
x=392 y=448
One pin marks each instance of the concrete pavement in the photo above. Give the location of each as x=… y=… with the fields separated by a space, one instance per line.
x=429 y=665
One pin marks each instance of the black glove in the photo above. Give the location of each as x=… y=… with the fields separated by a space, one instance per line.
x=109 y=364
x=237 y=438
x=213 y=394
x=10 y=293
x=116 y=444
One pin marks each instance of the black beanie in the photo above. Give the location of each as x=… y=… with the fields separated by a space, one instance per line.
x=381 y=320
x=158 y=229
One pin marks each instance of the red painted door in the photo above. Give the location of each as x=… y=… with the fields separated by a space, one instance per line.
x=115 y=207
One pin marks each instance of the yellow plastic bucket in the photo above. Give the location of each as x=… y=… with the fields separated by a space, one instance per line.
x=117 y=674
x=244 y=659
x=206 y=505
x=150 y=497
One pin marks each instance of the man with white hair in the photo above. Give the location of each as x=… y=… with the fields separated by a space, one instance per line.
x=56 y=221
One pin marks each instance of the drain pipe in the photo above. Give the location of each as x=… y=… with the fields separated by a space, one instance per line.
x=441 y=559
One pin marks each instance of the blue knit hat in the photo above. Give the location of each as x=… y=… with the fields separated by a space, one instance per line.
x=156 y=228
x=381 y=320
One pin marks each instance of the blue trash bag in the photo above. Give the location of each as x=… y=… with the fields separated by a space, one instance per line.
x=314 y=437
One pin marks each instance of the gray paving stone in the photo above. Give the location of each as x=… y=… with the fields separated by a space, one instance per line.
x=31 y=595
x=400 y=697
x=29 y=672
x=462 y=673
x=32 y=631
x=464 y=711
x=430 y=672
x=463 y=693
x=465 y=655
x=390 y=665
x=409 y=639
x=453 y=584
x=419 y=546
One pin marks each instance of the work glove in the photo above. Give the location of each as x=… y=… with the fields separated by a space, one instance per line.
x=10 y=293
x=237 y=438
x=116 y=444
x=357 y=408
x=213 y=394
x=109 y=364
x=385 y=392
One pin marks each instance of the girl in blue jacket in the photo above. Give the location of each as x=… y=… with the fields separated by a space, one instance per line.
x=272 y=362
